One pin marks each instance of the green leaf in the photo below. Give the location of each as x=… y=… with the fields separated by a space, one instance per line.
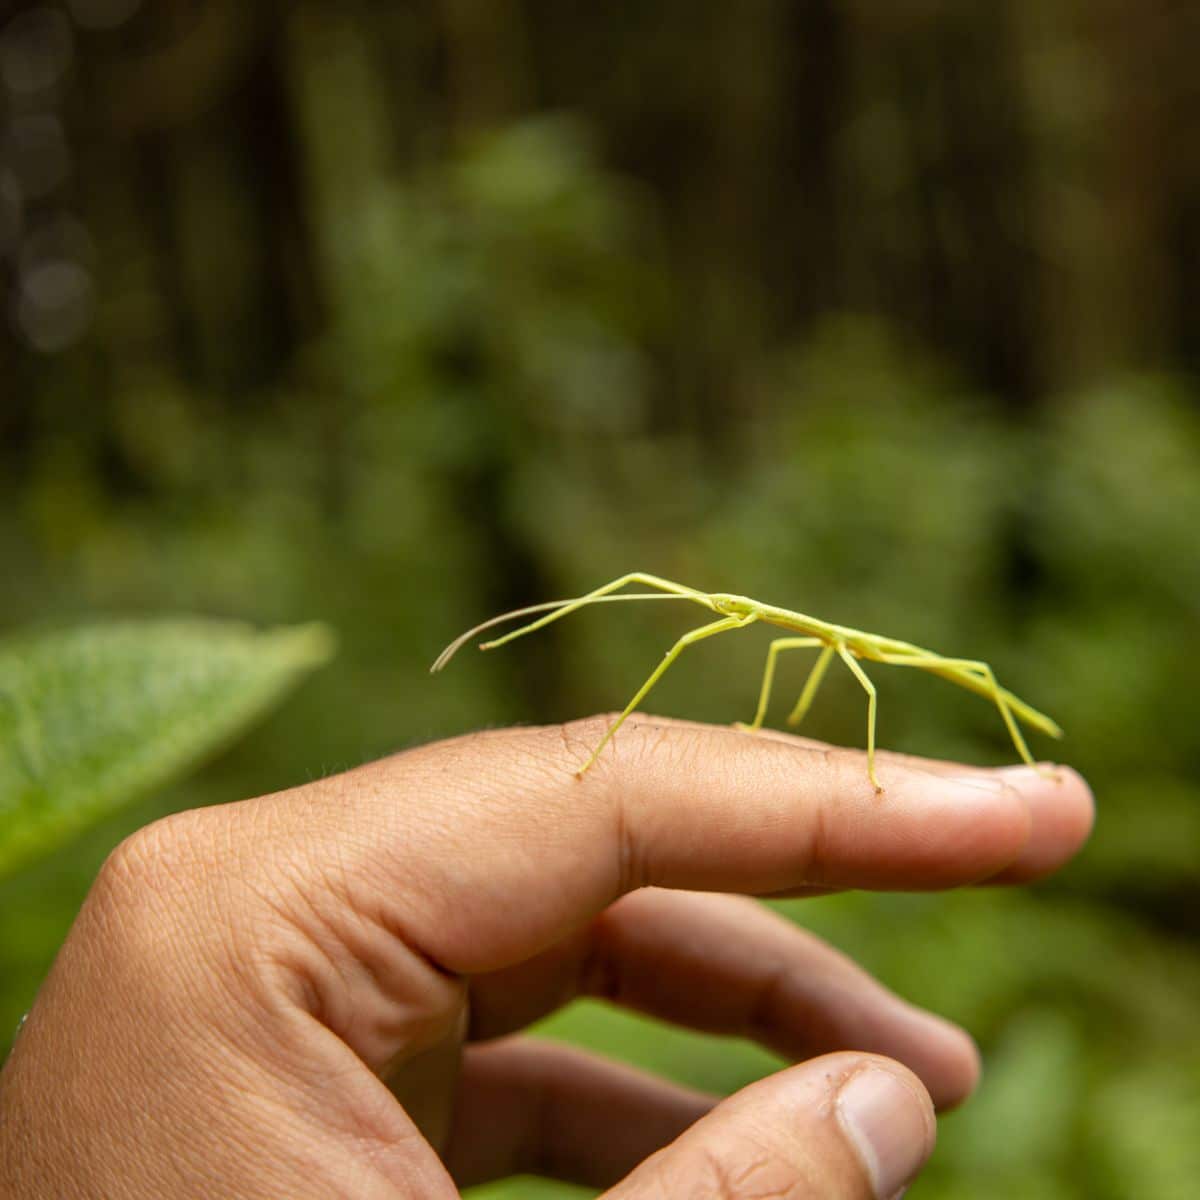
x=96 y=716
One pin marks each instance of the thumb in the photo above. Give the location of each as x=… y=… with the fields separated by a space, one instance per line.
x=842 y=1127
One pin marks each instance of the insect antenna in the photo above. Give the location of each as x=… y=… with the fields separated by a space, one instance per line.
x=534 y=609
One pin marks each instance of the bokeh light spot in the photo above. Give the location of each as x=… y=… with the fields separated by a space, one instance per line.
x=55 y=304
x=35 y=51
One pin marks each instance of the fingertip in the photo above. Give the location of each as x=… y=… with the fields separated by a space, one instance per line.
x=887 y=1117
x=1083 y=798
x=844 y=1125
x=973 y=1057
x=883 y=1108
x=969 y=827
x=1063 y=812
x=963 y=1066
x=807 y=1087
x=942 y=1054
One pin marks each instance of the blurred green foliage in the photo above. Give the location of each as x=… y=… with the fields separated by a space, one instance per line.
x=508 y=396
x=92 y=717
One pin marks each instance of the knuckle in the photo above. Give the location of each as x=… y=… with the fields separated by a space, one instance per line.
x=633 y=870
x=184 y=890
x=142 y=910
x=578 y=740
x=582 y=735
x=677 y=747
x=579 y=737
x=641 y=741
x=551 y=755
x=159 y=857
x=188 y=876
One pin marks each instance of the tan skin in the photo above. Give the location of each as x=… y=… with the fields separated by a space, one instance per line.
x=320 y=992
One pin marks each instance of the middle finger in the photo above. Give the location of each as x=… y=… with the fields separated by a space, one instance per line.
x=727 y=965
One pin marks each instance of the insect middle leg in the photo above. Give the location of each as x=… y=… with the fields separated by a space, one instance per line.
x=810 y=687
x=985 y=674
x=650 y=581
x=773 y=652
x=696 y=635
x=869 y=688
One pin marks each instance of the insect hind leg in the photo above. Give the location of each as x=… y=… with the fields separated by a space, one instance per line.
x=986 y=675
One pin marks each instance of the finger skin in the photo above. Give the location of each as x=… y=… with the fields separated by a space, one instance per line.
x=727 y=965
x=1062 y=817
x=534 y=1108
x=788 y=1135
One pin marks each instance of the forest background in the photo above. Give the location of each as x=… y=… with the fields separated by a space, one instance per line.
x=396 y=315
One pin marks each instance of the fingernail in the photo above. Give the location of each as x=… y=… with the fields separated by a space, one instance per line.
x=888 y=1127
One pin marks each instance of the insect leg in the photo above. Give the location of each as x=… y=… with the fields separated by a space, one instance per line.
x=985 y=672
x=696 y=635
x=869 y=687
x=810 y=688
x=773 y=652
x=651 y=581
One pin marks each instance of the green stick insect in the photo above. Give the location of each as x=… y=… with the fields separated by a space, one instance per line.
x=739 y=612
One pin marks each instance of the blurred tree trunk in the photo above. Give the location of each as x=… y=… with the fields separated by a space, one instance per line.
x=809 y=219
x=727 y=335
x=487 y=65
x=341 y=109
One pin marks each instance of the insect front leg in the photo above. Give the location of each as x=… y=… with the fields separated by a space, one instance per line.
x=869 y=687
x=773 y=652
x=696 y=635
x=650 y=581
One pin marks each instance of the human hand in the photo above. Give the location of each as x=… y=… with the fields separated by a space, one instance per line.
x=314 y=993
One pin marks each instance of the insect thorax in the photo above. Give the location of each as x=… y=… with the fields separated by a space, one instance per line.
x=732 y=606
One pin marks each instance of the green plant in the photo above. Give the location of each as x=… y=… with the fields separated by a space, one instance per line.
x=95 y=716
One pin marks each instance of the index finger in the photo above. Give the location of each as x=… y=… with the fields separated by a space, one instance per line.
x=486 y=849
